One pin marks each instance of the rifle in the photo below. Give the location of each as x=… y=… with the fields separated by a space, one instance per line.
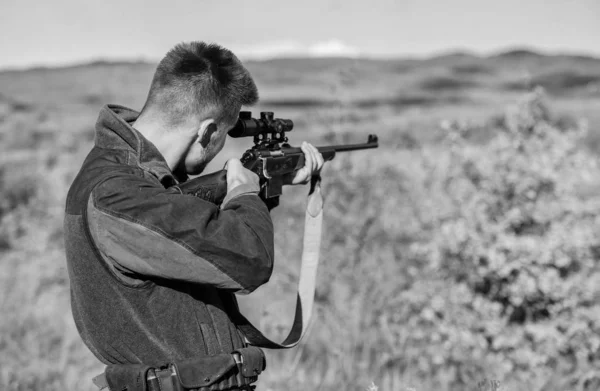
x=271 y=158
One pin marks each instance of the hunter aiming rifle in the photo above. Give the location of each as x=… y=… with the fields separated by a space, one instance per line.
x=272 y=159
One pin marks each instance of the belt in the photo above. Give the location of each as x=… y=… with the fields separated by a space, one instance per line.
x=235 y=371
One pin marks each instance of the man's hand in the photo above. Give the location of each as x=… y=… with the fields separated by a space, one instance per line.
x=313 y=163
x=238 y=175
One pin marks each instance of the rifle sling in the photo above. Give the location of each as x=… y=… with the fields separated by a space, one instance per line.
x=307 y=283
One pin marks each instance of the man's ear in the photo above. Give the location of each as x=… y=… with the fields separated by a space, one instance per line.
x=207 y=128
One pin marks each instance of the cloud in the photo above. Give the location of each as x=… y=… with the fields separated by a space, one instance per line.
x=277 y=49
x=269 y=50
x=332 y=48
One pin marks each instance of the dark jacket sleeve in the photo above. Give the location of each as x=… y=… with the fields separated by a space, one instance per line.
x=144 y=229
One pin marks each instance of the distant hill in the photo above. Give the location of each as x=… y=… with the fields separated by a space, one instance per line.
x=520 y=55
x=525 y=55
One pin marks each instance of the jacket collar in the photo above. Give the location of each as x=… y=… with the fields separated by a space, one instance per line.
x=114 y=131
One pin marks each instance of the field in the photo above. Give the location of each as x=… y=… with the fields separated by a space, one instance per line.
x=464 y=250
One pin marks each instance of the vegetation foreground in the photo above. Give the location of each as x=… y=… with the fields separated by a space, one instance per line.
x=444 y=263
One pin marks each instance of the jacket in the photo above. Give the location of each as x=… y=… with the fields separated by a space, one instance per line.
x=153 y=271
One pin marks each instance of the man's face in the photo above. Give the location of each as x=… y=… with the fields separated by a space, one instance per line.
x=198 y=157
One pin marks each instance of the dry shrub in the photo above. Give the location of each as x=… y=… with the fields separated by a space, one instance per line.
x=511 y=280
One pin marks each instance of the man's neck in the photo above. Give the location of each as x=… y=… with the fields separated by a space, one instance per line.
x=172 y=143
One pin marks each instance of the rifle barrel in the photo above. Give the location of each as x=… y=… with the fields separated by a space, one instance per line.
x=372 y=142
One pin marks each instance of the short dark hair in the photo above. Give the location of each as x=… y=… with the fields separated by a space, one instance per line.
x=196 y=77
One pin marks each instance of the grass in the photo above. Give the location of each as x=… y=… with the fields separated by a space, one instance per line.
x=377 y=208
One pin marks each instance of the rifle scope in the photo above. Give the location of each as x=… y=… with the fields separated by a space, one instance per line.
x=247 y=126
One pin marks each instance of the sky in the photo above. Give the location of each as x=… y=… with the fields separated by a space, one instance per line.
x=62 y=32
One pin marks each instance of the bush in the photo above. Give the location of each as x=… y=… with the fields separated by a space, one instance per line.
x=510 y=284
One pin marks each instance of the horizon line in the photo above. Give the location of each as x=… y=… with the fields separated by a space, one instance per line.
x=109 y=60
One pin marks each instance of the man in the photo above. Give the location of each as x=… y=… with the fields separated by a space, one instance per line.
x=153 y=269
